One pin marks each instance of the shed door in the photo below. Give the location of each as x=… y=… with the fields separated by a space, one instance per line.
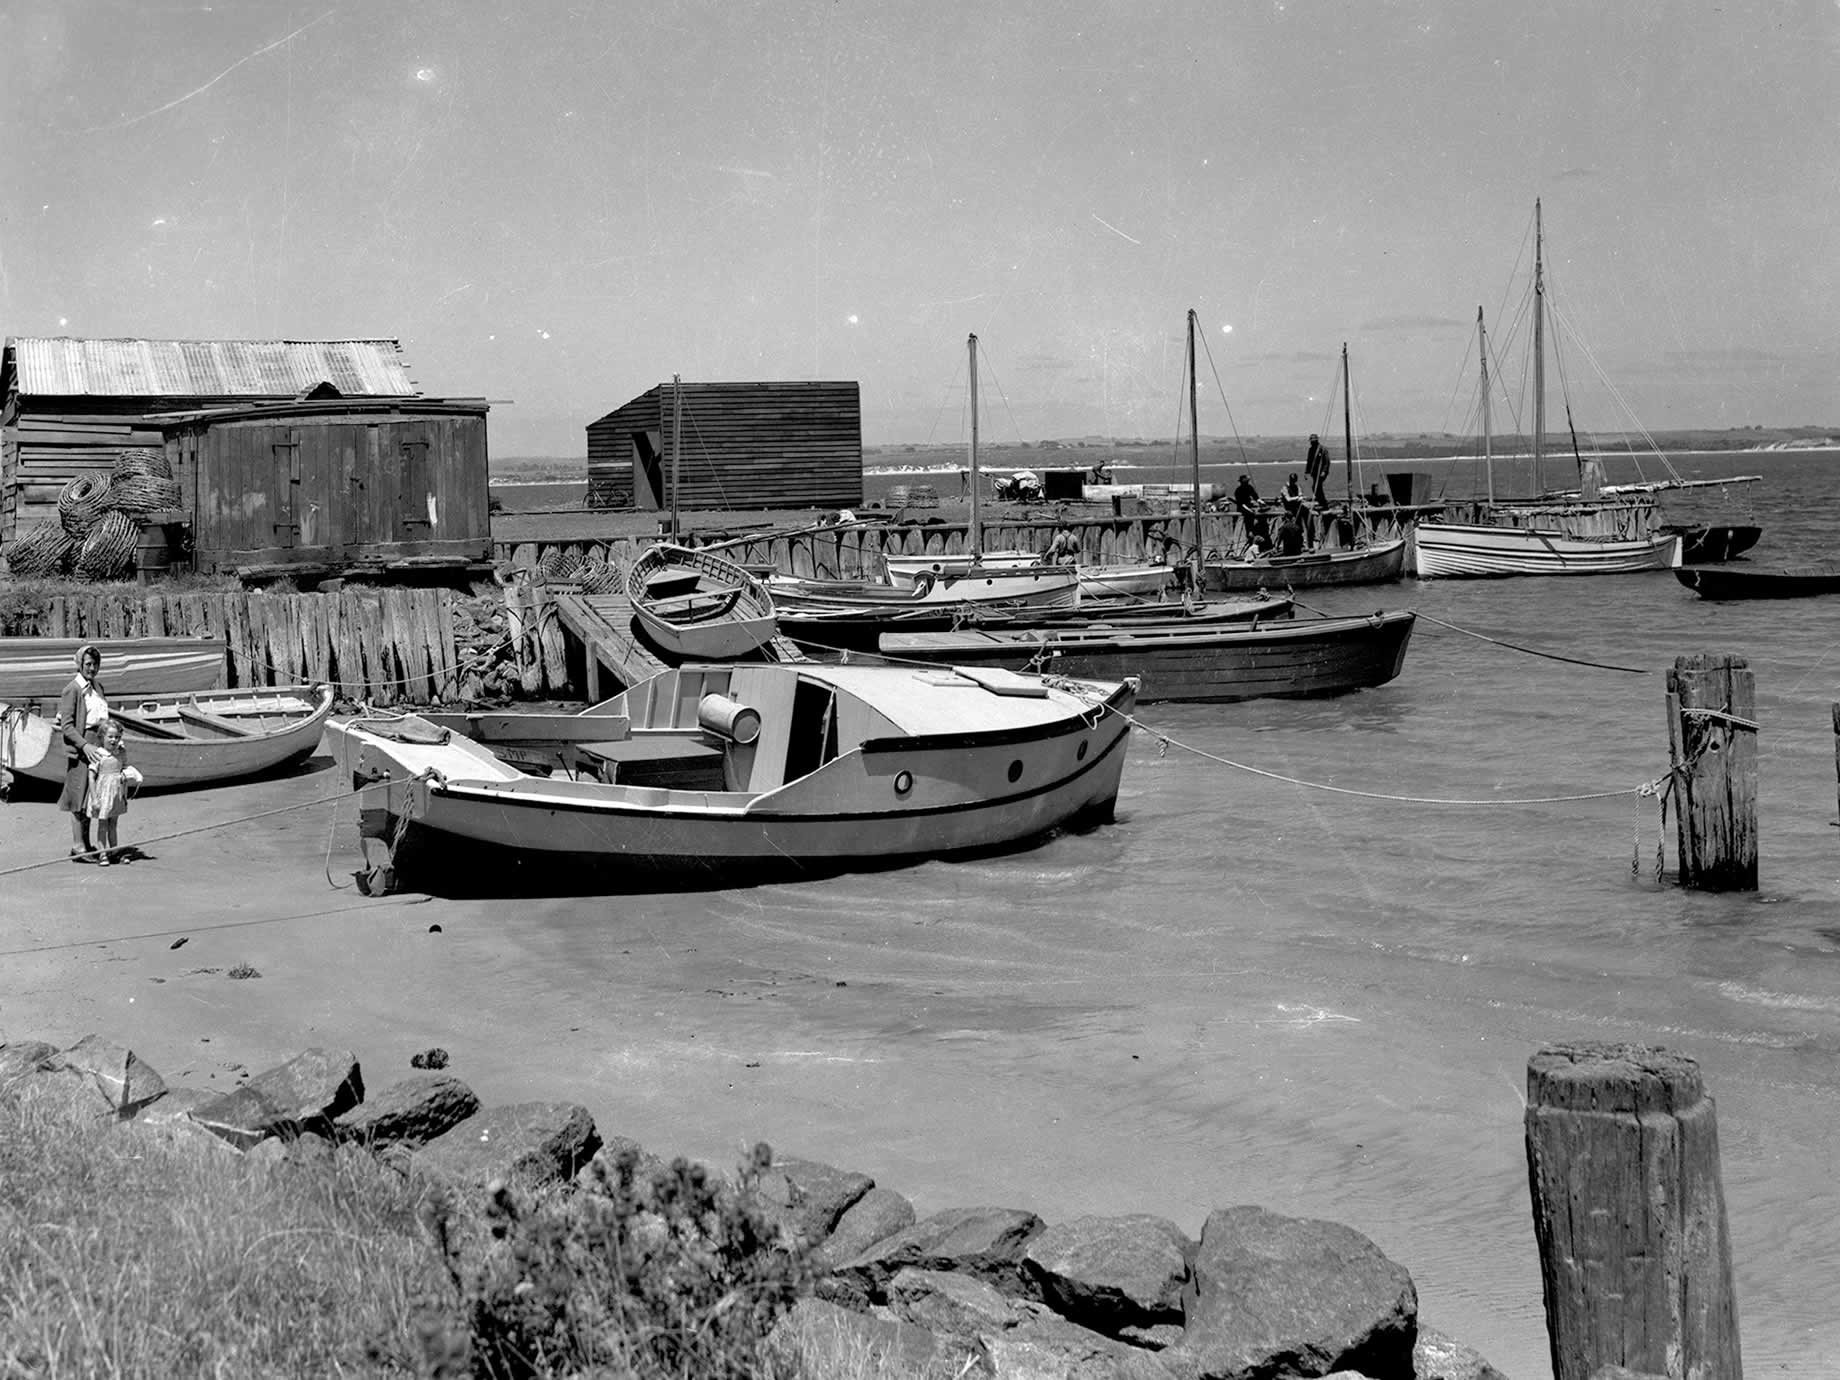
x=286 y=526
x=415 y=507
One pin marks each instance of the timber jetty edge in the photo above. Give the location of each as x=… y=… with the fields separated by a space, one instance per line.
x=967 y=1291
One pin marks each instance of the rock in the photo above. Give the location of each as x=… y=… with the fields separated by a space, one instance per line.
x=179 y=1135
x=1110 y=1273
x=876 y=1216
x=308 y=1093
x=414 y=1111
x=1437 y=1357
x=120 y=1075
x=984 y=1242
x=177 y=1105
x=805 y=1199
x=530 y=1143
x=1270 y=1295
x=601 y=1174
x=836 y=1341
x=1051 y=1348
x=950 y=1305
x=22 y=1057
x=63 y=1093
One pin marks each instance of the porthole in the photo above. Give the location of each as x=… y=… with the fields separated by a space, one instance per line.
x=1015 y=770
x=903 y=782
x=1080 y=755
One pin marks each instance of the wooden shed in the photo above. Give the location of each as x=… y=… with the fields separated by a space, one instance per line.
x=337 y=485
x=71 y=406
x=745 y=445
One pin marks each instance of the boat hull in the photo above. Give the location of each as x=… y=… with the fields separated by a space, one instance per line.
x=1782 y=582
x=278 y=726
x=1373 y=565
x=1713 y=542
x=1021 y=587
x=1458 y=550
x=38 y=668
x=886 y=801
x=861 y=631
x=1291 y=659
x=697 y=606
x=1095 y=581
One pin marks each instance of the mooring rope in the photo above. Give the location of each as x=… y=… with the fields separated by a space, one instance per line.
x=1533 y=651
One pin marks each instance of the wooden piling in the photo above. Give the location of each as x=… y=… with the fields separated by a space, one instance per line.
x=1629 y=1213
x=1836 y=712
x=1712 y=741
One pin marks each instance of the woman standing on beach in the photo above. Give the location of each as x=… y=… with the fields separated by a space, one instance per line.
x=82 y=711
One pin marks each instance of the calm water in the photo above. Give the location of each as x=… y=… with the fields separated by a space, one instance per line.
x=1249 y=990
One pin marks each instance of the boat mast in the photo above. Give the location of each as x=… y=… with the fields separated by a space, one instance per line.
x=1194 y=447
x=1539 y=353
x=677 y=440
x=1482 y=351
x=974 y=534
x=1347 y=424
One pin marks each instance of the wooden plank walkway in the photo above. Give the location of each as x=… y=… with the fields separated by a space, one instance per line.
x=603 y=624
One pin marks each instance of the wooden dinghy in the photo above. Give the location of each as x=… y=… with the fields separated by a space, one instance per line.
x=1096 y=580
x=1767 y=582
x=38 y=668
x=1380 y=563
x=698 y=606
x=1289 y=659
x=757 y=767
x=176 y=741
x=1480 y=550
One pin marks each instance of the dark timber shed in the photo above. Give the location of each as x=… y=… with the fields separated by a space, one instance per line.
x=745 y=445
x=335 y=485
x=70 y=406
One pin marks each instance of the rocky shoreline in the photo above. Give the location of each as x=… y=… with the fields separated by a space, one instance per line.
x=979 y=1289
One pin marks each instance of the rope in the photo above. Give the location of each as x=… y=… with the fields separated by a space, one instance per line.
x=1531 y=651
x=1721 y=715
x=183 y=833
x=1165 y=742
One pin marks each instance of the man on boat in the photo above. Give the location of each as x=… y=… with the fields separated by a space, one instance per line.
x=1296 y=511
x=1063 y=550
x=1316 y=466
x=1246 y=504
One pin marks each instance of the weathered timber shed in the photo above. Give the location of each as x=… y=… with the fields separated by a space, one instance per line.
x=334 y=485
x=71 y=406
x=744 y=445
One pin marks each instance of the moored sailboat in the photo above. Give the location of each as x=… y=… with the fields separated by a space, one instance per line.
x=1584 y=532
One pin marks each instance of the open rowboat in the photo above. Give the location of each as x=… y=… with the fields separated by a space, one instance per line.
x=698 y=606
x=176 y=741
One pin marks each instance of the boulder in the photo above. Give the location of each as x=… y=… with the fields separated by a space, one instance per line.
x=836 y=1341
x=601 y=1174
x=1437 y=1357
x=1112 y=1273
x=986 y=1243
x=950 y=1305
x=308 y=1093
x=805 y=1199
x=413 y=1111
x=177 y=1105
x=178 y=1135
x=22 y=1057
x=1051 y=1348
x=1274 y=1295
x=126 y=1080
x=530 y=1143
x=63 y=1093
x=876 y=1216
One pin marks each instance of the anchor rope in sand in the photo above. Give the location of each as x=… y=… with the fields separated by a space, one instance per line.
x=183 y=833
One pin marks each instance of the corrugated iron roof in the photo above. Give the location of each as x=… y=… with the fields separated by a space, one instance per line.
x=64 y=367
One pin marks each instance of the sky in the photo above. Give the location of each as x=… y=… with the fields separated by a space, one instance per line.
x=558 y=206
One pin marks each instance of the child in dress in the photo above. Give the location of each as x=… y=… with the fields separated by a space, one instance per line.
x=108 y=791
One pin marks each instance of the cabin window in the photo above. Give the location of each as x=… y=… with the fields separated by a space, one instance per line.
x=812 y=740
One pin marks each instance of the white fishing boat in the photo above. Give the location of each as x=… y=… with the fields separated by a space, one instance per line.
x=176 y=741
x=762 y=766
x=1096 y=580
x=1590 y=531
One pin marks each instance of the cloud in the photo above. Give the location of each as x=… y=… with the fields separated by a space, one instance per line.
x=1414 y=323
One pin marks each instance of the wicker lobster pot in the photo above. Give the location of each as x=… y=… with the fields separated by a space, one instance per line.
x=46 y=550
x=83 y=500
x=108 y=550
